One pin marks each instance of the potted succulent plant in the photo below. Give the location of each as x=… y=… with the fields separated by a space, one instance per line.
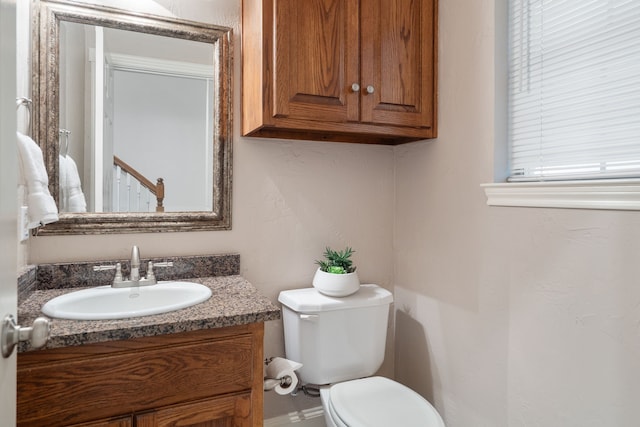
x=336 y=275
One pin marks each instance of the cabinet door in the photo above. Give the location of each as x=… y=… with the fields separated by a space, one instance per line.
x=228 y=411
x=398 y=42
x=316 y=60
x=114 y=422
x=160 y=375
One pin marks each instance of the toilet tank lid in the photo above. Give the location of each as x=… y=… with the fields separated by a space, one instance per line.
x=309 y=300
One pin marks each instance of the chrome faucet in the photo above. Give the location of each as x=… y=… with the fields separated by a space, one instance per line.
x=135 y=264
x=119 y=281
x=134 y=277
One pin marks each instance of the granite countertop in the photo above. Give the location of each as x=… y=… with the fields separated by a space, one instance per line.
x=234 y=302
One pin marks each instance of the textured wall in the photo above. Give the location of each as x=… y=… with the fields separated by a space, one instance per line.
x=506 y=316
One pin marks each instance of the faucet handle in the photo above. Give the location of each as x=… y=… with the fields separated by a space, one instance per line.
x=164 y=264
x=150 y=274
x=104 y=267
x=118 y=276
x=117 y=267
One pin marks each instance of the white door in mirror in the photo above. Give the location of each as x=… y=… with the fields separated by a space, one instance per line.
x=105 y=302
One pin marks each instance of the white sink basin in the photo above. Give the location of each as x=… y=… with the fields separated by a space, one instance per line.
x=105 y=302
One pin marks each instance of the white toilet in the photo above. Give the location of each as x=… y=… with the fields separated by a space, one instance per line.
x=341 y=342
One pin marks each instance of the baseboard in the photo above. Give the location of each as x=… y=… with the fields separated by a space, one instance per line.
x=312 y=417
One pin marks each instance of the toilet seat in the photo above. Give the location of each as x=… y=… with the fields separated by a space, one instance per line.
x=380 y=402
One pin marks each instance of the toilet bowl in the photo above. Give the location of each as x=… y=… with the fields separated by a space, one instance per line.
x=340 y=343
x=376 y=402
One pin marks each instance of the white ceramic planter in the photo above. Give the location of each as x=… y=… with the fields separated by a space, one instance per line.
x=336 y=285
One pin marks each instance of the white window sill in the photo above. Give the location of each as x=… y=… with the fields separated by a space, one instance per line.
x=613 y=194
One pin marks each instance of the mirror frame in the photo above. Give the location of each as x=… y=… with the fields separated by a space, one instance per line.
x=47 y=15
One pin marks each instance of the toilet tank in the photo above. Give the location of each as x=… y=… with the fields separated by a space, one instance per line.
x=336 y=339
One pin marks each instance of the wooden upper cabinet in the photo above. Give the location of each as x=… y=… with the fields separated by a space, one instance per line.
x=316 y=59
x=398 y=62
x=339 y=70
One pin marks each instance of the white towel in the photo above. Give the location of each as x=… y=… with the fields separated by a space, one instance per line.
x=42 y=207
x=71 y=195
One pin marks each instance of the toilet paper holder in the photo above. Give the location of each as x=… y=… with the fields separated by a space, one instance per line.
x=271 y=383
x=279 y=375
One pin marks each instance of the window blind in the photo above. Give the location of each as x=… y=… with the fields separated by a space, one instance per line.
x=574 y=89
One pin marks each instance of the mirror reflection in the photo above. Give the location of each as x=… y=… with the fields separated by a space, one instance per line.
x=135 y=121
x=133 y=113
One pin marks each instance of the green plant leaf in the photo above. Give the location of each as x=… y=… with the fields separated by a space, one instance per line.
x=337 y=262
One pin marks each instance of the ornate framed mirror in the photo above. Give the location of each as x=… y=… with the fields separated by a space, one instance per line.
x=141 y=104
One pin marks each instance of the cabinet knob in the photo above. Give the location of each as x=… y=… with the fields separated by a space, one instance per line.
x=355 y=87
x=370 y=89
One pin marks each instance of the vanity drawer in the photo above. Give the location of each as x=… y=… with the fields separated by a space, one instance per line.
x=62 y=391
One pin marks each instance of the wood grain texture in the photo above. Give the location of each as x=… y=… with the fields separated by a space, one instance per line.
x=100 y=382
x=309 y=53
x=316 y=60
x=85 y=352
x=228 y=411
x=119 y=422
x=255 y=69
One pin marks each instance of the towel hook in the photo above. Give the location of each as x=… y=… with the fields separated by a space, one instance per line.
x=27 y=103
x=36 y=229
x=24 y=101
x=64 y=144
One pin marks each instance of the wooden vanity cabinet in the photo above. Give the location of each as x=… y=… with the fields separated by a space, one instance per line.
x=339 y=70
x=228 y=411
x=209 y=378
x=117 y=422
